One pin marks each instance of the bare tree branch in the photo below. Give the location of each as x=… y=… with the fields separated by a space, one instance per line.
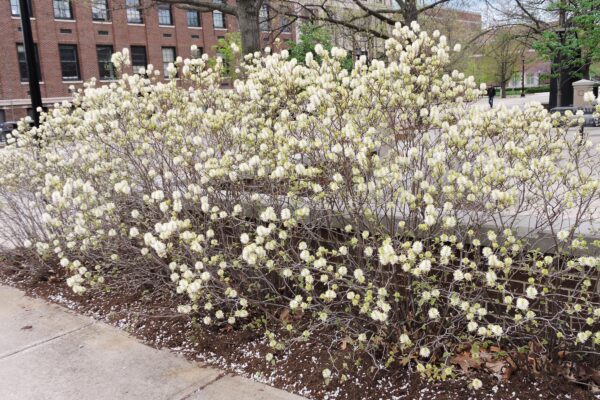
x=374 y=13
x=329 y=16
x=204 y=5
x=432 y=5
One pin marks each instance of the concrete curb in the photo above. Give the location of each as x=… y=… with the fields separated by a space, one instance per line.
x=50 y=353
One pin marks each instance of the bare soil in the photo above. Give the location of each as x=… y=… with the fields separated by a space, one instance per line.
x=152 y=318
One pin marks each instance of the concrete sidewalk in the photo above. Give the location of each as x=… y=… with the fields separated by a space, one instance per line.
x=50 y=353
x=516 y=101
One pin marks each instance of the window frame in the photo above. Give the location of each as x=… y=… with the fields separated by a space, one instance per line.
x=24 y=72
x=286 y=25
x=223 y=19
x=167 y=62
x=60 y=9
x=198 y=19
x=198 y=53
x=112 y=75
x=15 y=5
x=63 y=46
x=529 y=79
x=136 y=65
x=106 y=10
x=160 y=10
x=263 y=18
x=131 y=7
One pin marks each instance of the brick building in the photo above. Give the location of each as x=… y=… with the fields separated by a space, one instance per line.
x=75 y=39
x=459 y=26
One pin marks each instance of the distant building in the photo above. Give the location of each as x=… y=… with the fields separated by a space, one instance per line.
x=457 y=25
x=537 y=73
x=75 y=40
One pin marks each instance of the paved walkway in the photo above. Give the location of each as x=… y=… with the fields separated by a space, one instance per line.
x=512 y=101
x=49 y=353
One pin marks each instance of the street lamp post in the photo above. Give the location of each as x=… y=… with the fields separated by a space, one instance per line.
x=523 y=75
x=32 y=71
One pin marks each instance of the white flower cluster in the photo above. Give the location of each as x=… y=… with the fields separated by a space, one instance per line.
x=375 y=204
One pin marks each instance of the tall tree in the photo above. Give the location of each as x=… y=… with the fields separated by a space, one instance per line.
x=577 y=43
x=246 y=11
x=504 y=53
x=404 y=11
x=567 y=32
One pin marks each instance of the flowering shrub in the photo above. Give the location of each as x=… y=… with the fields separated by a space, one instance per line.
x=375 y=206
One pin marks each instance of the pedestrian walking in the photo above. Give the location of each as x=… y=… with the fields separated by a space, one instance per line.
x=491 y=92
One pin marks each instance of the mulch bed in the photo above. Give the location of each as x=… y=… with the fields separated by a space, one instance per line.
x=152 y=318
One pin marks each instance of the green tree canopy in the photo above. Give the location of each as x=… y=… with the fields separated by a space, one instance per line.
x=311 y=35
x=577 y=44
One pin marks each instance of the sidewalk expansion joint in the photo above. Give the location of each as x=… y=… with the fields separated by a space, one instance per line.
x=34 y=345
x=200 y=388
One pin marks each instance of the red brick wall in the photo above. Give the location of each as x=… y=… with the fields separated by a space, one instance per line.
x=84 y=33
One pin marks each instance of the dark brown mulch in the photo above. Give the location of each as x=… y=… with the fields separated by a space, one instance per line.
x=152 y=318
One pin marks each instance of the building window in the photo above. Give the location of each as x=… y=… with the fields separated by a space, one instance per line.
x=30 y=111
x=100 y=10
x=286 y=25
x=134 y=12
x=530 y=79
x=23 y=62
x=106 y=68
x=263 y=17
x=219 y=17
x=139 y=60
x=69 y=63
x=193 y=18
x=197 y=53
x=168 y=54
x=62 y=9
x=164 y=15
x=2 y=116
x=516 y=80
x=15 y=8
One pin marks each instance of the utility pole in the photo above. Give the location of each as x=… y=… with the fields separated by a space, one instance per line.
x=30 y=57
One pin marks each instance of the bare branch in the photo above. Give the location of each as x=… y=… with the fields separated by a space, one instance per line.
x=204 y=5
x=432 y=5
x=374 y=13
x=329 y=17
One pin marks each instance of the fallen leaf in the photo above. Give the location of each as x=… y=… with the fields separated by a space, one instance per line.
x=587 y=373
x=465 y=360
x=26 y=327
x=344 y=343
x=405 y=360
x=284 y=315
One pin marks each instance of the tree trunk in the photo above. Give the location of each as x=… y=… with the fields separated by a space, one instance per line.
x=585 y=70
x=248 y=11
x=410 y=12
x=503 y=89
